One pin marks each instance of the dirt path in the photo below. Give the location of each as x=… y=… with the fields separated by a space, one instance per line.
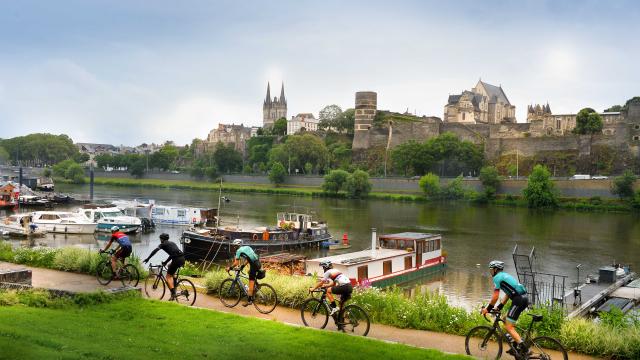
x=53 y=279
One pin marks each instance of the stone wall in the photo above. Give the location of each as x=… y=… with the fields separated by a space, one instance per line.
x=365 y=112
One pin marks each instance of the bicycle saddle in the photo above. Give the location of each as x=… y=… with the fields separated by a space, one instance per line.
x=536 y=317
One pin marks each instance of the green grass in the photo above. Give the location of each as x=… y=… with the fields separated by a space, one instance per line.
x=135 y=328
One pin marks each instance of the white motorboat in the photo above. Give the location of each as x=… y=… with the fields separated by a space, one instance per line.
x=63 y=222
x=20 y=225
x=107 y=217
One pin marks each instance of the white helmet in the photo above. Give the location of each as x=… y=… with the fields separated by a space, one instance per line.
x=496 y=264
x=237 y=242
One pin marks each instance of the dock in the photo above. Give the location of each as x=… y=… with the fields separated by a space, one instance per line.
x=594 y=294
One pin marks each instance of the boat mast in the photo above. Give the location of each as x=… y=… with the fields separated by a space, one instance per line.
x=219 y=197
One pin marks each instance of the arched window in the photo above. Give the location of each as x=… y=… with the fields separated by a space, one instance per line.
x=463 y=116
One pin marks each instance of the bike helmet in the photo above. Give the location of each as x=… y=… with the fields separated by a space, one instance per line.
x=114 y=229
x=164 y=237
x=496 y=264
x=237 y=242
x=326 y=264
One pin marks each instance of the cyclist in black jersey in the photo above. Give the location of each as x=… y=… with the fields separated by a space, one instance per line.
x=176 y=256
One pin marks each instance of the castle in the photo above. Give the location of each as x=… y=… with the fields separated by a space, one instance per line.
x=273 y=109
x=484 y=104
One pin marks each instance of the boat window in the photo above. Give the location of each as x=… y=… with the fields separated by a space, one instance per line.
x=88 y=214
x=363 y=272
x=408 y=262
x=437 y=244
x=111 y=214
x=157 y=211
x=182 y=213
x=281 y=217
x=386 y=267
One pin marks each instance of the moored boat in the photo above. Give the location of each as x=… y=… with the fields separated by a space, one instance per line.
x=107 y=217
x=392 y=259
x=63 y=222
x=19 y=225
x=182 y=216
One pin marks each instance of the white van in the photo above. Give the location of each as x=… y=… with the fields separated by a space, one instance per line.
x=580 y=177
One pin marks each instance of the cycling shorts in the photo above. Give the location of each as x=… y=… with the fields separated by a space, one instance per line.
x=518 y=304
x=254 y=266
x=124 y=252
x=175 y=264
x=343 y=290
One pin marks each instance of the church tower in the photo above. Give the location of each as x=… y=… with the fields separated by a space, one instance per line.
x=273 y=109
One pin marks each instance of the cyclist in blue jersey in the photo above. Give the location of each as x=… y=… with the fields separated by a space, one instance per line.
x=249 y=256
x=124 y=249
x=514 y=291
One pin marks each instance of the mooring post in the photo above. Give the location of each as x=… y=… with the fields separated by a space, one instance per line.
x=91 y=183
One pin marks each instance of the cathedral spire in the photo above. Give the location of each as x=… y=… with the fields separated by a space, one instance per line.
x=268 y=100
x=282 y=99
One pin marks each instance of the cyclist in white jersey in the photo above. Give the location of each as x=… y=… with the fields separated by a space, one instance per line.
x=336 y=283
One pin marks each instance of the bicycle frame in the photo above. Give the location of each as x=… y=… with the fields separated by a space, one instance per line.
x=525 y=334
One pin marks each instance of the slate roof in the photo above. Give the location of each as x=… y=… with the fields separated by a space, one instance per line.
x=495 y=93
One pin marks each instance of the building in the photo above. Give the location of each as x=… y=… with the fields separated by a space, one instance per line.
x=484 y=104
x=273 y=109
x=236 y=135
x=545 y=123
x=302 y=122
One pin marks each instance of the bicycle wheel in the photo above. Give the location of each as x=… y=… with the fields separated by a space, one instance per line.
x=129 y=275
x=314 y=313
x=265 y=298
x=185 y=292
x=355 y=320
x=104 y=274
x=483 y=342
x=546 y=348
x=154 y=287
x=229 y=293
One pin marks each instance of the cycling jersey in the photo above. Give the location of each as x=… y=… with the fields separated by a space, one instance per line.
x=337 y=276
x=508 y=284
x=170 y=248
x=247 y=253
x=121 y=238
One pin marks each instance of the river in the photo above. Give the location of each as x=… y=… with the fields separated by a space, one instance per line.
x=472 y=235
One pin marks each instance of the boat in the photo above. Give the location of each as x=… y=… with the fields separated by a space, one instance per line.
x=174 y=215
x=63 y=222
x=292 y=231
x=33 y=201
x=141 y=210
x=107 y=217
x=19 y=225
x=392 y=259
x=8 y=195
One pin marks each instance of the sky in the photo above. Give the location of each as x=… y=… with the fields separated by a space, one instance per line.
x=128 y=72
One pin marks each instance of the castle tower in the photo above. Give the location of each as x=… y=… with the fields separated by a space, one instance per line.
x=273 y=109
x=366 y=107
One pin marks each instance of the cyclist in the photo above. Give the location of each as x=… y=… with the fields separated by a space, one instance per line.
x=176 y=256
x=336 y=283
x=124 y=249
x=247 y=254
x=519 y=301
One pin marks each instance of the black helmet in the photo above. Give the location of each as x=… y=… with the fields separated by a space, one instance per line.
x=164 y=237
x=114 y=229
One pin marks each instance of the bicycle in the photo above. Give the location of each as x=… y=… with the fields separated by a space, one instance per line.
x=233 y=289
x=350 y=319
x=155 y=286
x=128 y=274
x=483 y=341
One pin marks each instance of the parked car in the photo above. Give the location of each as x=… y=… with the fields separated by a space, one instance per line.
x=580 y=177
x=599 y=177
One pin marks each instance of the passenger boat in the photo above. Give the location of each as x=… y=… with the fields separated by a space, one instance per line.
x=184 y=216
x=20 y=225
x=292 y=231
x=107 y=217
x=392 y=259
x=63 y=222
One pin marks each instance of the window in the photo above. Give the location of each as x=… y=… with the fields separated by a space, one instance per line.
x=182 y=213
x=157 y=211
x=637 y=127
x=558 y=124
x=437 y=244
x=386 y=267
x=463 y=116
x=408 y=262
x=636 y=138
x=363 y=272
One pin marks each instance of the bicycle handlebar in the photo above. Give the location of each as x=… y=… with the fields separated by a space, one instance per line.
x=494 y=312
x=109 y=251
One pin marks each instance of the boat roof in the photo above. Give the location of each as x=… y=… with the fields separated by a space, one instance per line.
x=409 y=236
x=362 y=256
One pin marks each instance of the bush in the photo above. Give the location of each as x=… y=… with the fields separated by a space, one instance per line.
x=540 y=191
x=277 y=174
x=60 y=169
x=334 y=181
x=357 y=184
x=75 y=173
x=430 y=184
x=623 y=185
x=39 y=256
x=137 y=168
x=490 y=180
x=454 y=189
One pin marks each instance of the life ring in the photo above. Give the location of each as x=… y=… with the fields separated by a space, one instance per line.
x=255 y=237
x=193 y=220
x=282 y=224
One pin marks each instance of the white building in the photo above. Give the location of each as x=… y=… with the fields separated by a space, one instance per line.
x=302 y=122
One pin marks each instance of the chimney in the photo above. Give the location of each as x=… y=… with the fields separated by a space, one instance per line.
x=374 y=242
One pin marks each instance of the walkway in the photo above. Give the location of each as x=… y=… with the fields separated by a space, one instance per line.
x=54 y=279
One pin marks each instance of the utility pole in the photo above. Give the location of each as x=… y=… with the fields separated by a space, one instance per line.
x=517 y=170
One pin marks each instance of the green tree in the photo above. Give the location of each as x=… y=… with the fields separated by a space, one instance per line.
x=540 y=191
x=588 y=122
x=40 y=149
x=279 y=127
x=357 y=184
x=430 y=184
x=623 y=185
x=411 y=158
x=334 y=181
x=227 y=158
x=277 y=174
x=347 y=121
x=137 y=168
x=490 y=181
x=339 y=155
x=614 y=108
x=60 y=169
x=308 y=168
x=4 y=155
x=454 y=189
x=47 y=172
x=212 y=173
x=329 y=117
x=197 y=172
x=75 y=173
x=306 y=148
x=81 y=158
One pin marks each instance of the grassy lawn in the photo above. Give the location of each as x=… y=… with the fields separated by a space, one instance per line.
x=135 y=328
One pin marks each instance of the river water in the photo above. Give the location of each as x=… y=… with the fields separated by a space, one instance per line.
x=472 y=235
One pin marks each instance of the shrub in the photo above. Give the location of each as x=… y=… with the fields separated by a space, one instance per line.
x=540 y=191
x=75 y=173
x=39 y=256
x=334 y=181
x=595 y=200
x=277 y=174
x=430 y=184
x=357 y=184
x=60 y=169
x=76 y=260
x=623 y=185
x=635 y=202
x=454 y=189
x=490 y=181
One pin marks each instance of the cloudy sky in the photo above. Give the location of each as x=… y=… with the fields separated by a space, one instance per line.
x=127 y=72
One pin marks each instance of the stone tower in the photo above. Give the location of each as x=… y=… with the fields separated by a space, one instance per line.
x=273 y=109
x=366 y=107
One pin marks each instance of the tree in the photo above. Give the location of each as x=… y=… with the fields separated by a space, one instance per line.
x=305 y=148
x=411 y=158
x=540 y=191
x=212 y=173
x=623 y=185
x=588 y=122
x=137 y=168
x=4 y=155
x=347 y=121
x=47 y=172
x=81 y=158
x=454 y=189
x=227 y=158
x=357 y=184
x=60 y=169
x=75 y=173
x=490 y=180
x=329 y=117
x=334 y=181
x=614 y=108
x=430 y=184
x=277 y=174
x=279 y=127
x=308 y=168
